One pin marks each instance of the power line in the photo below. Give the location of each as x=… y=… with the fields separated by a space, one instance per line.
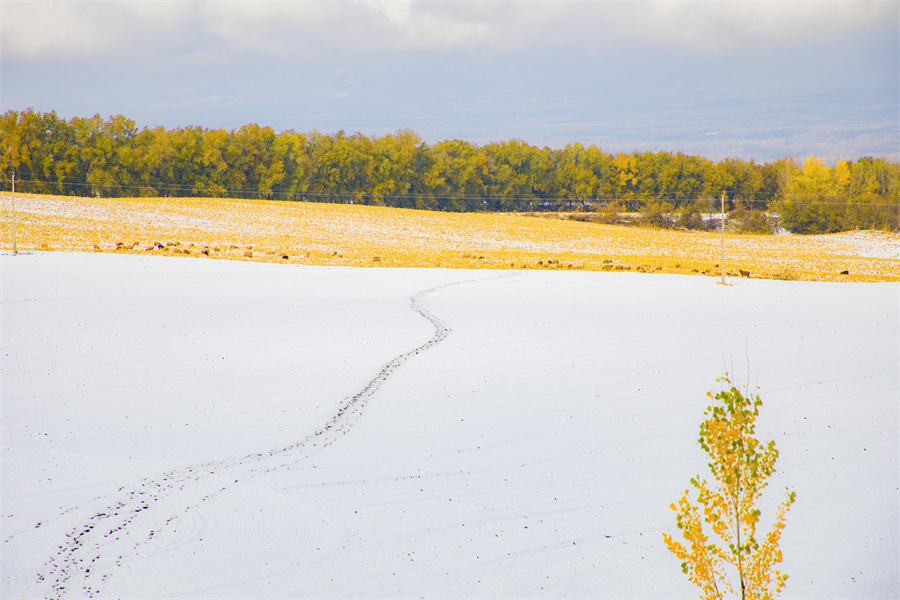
x=195 y=191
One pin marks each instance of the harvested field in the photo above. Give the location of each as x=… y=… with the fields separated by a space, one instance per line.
x=348 y=235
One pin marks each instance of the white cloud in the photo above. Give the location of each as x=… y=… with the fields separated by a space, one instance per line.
x=303 y=29
x=53 y=29
x=306 y=28
x=406 y=25
x=35 y=30
x=729 y=24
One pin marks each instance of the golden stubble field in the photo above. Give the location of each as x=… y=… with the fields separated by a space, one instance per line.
x=348 y=235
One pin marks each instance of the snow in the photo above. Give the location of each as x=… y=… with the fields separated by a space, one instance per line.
x=870 y=244
x=198 y=429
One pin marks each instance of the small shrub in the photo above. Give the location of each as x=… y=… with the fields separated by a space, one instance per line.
x=740 y=465
x=690 y=215
x=658 y=214
x=785 y=274
x=749 y=221
x=609 y=213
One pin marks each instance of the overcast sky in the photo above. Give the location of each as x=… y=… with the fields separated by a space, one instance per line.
x=760 y=79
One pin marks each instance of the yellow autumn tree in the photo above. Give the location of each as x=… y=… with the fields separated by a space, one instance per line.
x=815 y=178
x=740 y=465
x=842 y=178
x=627 y=179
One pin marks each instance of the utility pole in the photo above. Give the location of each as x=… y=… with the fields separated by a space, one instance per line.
x=723 y=238
x=15 y=250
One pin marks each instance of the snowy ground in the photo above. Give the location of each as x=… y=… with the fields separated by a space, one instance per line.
x=198 y=429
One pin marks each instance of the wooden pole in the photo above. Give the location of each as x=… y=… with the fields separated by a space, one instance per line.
x=723 y=238
x=15 y=250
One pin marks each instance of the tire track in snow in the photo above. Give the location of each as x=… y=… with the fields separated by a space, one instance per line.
x=117 y=533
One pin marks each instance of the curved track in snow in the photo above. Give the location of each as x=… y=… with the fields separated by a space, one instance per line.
x=166 y=512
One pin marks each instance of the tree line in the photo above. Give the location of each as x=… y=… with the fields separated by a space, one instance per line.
x=113 y=157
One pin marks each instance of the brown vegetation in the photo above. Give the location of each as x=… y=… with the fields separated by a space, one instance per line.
x=354 y=235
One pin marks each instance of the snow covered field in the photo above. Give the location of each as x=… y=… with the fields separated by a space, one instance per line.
x=198 y=429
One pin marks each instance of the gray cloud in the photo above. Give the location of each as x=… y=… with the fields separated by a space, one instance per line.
x=304 y=29
x=772 y=78
x=510 y=26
